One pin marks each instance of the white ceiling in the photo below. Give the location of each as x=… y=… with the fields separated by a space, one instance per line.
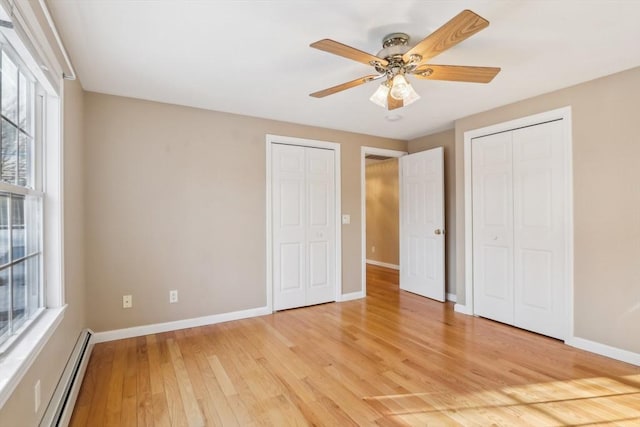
x=253 y=57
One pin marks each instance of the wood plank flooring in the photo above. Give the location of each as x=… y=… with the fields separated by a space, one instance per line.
x=391 y=359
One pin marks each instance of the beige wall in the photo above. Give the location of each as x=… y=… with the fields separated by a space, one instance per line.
x=175 y=199
x=606 y=183
x=445 y=139
x=19 y=409
x=382 y=212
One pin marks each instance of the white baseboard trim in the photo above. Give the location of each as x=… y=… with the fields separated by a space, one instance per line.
x=452 y=297
x=604 y=350
x=383 y=264
x=460 y=308
x=352 y=295
x=155 y=328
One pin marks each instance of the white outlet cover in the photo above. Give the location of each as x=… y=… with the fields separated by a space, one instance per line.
x=346 y=219
x=173 y=296
x=127 y=301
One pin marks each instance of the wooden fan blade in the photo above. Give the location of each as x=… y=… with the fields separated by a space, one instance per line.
x=349 y=52
x=393 y=103
x=460 y=27
x=456 y=73
x=344 y=86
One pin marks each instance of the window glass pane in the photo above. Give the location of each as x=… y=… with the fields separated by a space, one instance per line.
x=29 y=105
x=19 y=294
x=33 y=283
x=17 y=226
x=22 y=97
x=24 y=160
x=4 y=228
x=4 y=302
x=32 y=222
x=9 y=89
x=9 y=152
x=25 y=104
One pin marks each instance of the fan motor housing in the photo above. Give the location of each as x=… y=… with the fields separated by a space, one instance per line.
x=394 y=46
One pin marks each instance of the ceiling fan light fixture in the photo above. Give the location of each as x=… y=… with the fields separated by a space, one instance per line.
x=400 y=88
x=379 y=97
x=398 y=58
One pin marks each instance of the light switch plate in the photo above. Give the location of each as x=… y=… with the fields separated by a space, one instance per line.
x=346 y=219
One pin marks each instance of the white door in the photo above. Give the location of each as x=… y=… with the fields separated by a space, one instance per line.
x=422 y=223
x=539 y=229
x=519 y=248
x=492 y=178
x=303 y=203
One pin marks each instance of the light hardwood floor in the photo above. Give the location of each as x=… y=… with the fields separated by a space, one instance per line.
x=393 y=358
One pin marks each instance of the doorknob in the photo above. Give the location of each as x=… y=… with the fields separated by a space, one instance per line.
x=438 y=231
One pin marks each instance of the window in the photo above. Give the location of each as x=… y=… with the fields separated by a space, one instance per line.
x=21 y=198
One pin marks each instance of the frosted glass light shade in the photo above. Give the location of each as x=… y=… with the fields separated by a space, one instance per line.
x=380 y=96
x=400 y=87
x=411 y=97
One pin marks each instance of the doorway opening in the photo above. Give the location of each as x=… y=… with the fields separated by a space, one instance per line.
x=380 y=213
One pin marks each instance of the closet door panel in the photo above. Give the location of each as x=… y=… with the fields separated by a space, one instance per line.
x=289 y=226
x=493 y=227
x=539 y=229
x=321 y=244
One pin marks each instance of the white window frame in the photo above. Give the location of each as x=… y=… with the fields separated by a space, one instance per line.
x=35 y=189
x=18 y=358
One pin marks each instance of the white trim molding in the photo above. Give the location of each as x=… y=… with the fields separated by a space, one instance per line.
x=352 y=296
x=383 y=264
x=363 y=204
x=563 y=114
x=452 y=297
x=461 y=308
x=15 y=364
x=156 y=328
x=605 y=350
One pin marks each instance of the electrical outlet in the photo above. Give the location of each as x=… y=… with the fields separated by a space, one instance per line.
x=173 y=296
x=127 y=301
x=373 y=249
x=36 y=394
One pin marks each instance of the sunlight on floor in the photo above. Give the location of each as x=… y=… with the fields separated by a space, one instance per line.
x=582 y=402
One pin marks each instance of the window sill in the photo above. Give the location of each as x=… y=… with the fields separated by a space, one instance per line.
x=18 y=359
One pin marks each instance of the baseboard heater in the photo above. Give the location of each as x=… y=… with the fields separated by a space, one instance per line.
x=60 y=407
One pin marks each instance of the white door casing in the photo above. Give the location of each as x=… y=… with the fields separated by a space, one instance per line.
x=422 y=223
x=303 y=225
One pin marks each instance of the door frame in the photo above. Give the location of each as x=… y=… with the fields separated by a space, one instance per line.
x=363 y=205
x=312 y=143
x=563 y=114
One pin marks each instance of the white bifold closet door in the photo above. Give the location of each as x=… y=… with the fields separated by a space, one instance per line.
x=304 y=245
x=519 y=249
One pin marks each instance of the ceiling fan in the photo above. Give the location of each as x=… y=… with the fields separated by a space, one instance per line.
x=397 y=59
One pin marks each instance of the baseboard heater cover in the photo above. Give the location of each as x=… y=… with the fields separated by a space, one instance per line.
x=60 y=407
